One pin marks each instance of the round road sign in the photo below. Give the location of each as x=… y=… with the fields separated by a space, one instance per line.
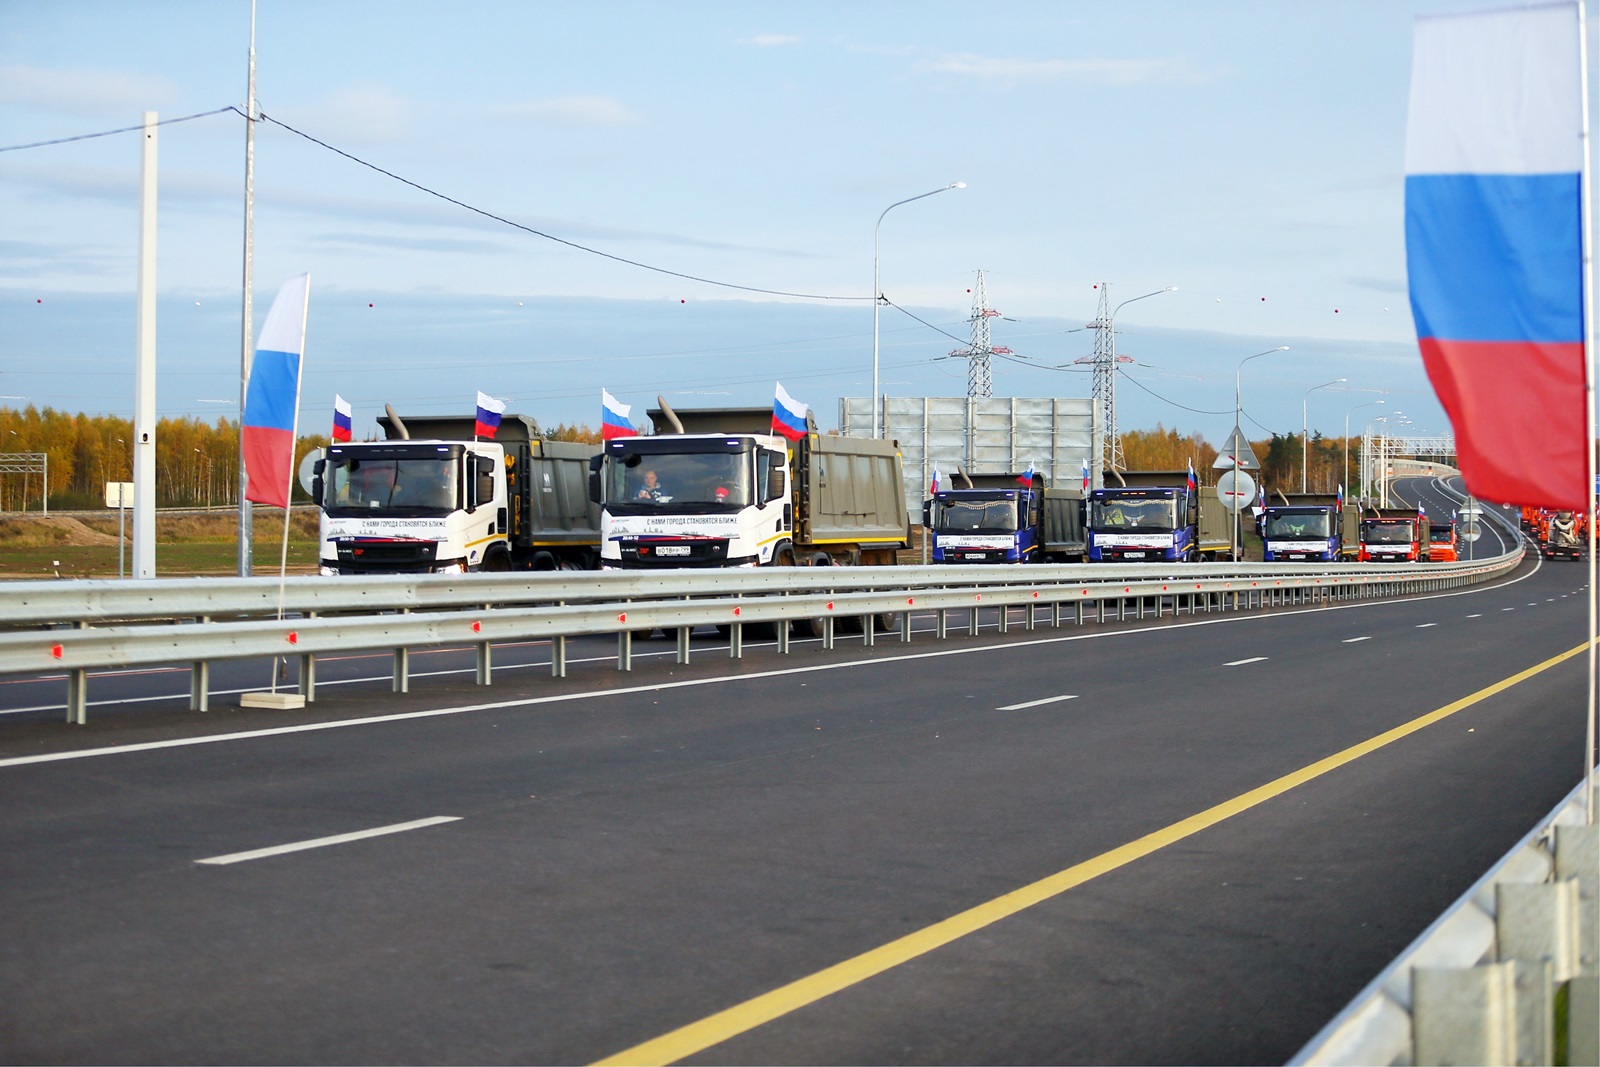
x=1236 y=490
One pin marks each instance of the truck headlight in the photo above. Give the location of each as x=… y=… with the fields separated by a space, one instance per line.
x=451 y=568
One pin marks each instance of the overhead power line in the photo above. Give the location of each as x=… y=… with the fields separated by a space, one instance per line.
x=123 y=129
x=550 y=236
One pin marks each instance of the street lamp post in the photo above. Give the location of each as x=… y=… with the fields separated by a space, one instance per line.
x=1305 y=429
x=1238 y=411
x=1110 y=372
x=877 y=293
x=1344 y=472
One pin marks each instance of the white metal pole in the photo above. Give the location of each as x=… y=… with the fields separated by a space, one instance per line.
x=246 y=521
x=1588 y=409
x=144 y=378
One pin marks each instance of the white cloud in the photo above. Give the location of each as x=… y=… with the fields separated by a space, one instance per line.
x=768 y=40
x=573 y=111
x=82 y=91
x=368 y=114
x=1012 y=70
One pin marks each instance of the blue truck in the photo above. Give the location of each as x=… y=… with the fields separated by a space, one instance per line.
x=1303 y=528
x=1005 y=518
x=1144 y=516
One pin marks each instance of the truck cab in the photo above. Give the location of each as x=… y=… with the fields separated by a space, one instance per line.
x=986 y=525
x=1152 y=516
x=1443 y=546
x=1394 y=535
x=1302 y=527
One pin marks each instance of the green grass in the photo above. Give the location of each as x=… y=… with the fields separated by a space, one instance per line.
x=85 y=546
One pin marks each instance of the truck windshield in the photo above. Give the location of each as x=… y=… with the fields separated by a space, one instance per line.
x=1133 y=513
x=976 y=516
x=1397 y=532
x=1442 y=535
x=674 y=481
x=1312 y=524
x=425 y=485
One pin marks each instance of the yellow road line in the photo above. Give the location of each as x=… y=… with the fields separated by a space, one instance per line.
x=715 y=1029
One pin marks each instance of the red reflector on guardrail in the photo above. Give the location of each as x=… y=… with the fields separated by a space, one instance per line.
x=293 y=638
x=477 y=627
x=56 y=651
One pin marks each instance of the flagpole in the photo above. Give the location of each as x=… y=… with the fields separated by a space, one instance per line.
x=1588 y=411
x=246 y=522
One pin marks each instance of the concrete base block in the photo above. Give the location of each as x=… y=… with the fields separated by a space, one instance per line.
x=1465 y=1015
x=1583 y=1021
x=279 y=701
x=1578 y=856
x=1539 y=922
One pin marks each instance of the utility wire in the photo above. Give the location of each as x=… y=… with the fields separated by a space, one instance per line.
x=548 y=236
x=124 y=129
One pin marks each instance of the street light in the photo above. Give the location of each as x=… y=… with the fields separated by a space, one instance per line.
x=877 y=293
x=1345 y=471
x=1305 y=428
x=1111 y=372
x=1237 y=412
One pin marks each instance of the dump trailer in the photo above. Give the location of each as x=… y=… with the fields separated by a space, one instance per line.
x=1216 y=527
x=1005 y=518
x=1144 y=516
x=1303 y=527
x=1394 y=535
x=432 y=499
x=1562 y=537
x=718 y=487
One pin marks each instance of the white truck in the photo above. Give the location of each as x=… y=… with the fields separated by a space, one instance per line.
x=442 y=502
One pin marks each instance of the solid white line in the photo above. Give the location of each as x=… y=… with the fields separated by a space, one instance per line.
x=1353 y=640
x=320 y=842
x=1425 y=625
x=1242 y=662
x=560 y=698
x=1036 y=703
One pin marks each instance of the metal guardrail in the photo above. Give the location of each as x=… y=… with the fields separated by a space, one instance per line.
x=78 y=626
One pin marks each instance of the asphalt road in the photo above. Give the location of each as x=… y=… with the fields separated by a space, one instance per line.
x=632 y=854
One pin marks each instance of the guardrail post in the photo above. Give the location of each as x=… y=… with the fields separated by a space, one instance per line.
x=77 y=696
x=624 y=650
x=308 y=677
x=736 y=641
x=485 y=664
x=905 y=626
x=869 y=630
x=972 y=622
x=1578 y=856
x=402 y=670
x=941 y=623
x=683 y=634
x=1464 y=1015
x=827 y=631
x=200 y=686
x=1005 y=618
x=558 y=656
x=1027 y=620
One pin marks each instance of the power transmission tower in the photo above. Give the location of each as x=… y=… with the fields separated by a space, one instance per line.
x=980 y=372
x=1104 y=391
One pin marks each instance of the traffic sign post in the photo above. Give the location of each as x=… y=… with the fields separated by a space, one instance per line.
x=1236 y=489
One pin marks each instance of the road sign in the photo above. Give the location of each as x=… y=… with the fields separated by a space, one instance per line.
x=119 y=494
x=1470 y=534
x=1236 y=490
x=1236 y=446
x=307 y=469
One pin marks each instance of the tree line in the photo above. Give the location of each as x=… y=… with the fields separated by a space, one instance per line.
x=197 y=463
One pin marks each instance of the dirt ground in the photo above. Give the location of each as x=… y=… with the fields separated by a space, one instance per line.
x=85 y=544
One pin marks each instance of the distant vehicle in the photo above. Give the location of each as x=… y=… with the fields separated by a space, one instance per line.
x=1394 y=535
x=1303 y=527
x=431 y=499
x=1005 y=518
x=1443 y=543
x=1562 y=536
x=1148 y=515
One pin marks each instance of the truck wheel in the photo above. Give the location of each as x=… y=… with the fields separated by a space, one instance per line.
x=813 y=626
x=498 y=562
x=887 y=621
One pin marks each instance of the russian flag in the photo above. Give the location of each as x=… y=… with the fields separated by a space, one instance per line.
x=933 y=487
x=1026 y=477
x=1193 y=483
x=341 y=419
x=789 y=415
x=272 y=396
x=1086 y=475
x=1494 y=245
x=614 y=418
x=489 y=412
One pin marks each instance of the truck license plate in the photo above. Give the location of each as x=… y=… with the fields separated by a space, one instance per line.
x=672 y=550
x=1133 y=555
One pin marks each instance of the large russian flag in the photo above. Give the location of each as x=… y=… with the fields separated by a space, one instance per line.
x=614 y=418
x=1494 y=245
x=789 y=416
x=272 y=397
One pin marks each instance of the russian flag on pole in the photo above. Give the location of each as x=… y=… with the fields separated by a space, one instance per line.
x=614 y=418
x=1494 y=245
x=341 y=419
x=933 y=487
x=1086 y=475
x=789 y=415
x=1193 y=483
x=272 y=396
x=489 y=412
x=1026 y=477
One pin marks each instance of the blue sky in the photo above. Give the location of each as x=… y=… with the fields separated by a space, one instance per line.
x=1248 y=153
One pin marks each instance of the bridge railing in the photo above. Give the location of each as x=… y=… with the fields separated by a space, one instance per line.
x=77 y=626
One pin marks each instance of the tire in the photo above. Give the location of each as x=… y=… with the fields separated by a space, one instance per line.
x=497 y=563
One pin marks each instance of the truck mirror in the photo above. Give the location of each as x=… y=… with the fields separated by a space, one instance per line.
x=927 y=513
x=776 y=463
x=316 y=488
x=594 y=484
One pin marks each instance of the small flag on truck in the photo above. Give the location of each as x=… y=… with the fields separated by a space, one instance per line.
x=789 y=415
x=614 y=418
x=342 y=427
x=489 y=412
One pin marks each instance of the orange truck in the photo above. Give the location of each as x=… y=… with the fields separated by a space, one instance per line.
x=1443 y=544
x=1394 y=535
x=1561 y=536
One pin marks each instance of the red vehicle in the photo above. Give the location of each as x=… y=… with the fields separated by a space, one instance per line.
x=1442 y=543
x=1393 y=535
